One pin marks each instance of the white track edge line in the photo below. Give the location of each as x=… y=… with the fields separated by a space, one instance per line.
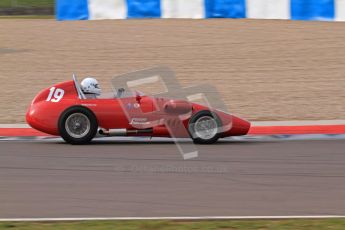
x=14 y=126
x=254 y=123
x=298 y=123
x=173 y=218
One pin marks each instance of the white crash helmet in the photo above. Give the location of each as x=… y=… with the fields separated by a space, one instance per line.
x=90 y=86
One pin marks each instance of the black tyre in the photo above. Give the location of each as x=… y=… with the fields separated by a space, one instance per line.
x=204 y=127
x=77 y=125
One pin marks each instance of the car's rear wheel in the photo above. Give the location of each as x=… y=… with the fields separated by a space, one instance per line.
x=77 y=125
x=204 y=127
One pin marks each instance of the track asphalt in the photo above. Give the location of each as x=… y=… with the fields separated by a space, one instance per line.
x=51 y=179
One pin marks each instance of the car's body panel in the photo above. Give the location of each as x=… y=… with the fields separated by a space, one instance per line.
x=130 y=113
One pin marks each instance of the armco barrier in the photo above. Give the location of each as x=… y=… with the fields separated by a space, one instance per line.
x=262 y=9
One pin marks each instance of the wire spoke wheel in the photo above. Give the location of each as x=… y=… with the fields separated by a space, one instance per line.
x=206 y=127
x=77 y=125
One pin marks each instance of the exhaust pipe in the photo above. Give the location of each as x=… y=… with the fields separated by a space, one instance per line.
x=113 y=132
x=123 y=132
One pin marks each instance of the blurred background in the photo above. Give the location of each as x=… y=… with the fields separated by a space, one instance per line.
x=26 y=7
x=264 y=69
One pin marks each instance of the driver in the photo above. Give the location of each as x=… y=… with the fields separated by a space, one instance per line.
x=90 y=87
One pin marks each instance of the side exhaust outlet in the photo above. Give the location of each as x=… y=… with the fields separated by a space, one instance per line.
x=123 y=132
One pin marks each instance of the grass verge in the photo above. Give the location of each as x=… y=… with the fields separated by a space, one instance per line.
x=26 y=3
x=292 y=224
x=28 y=16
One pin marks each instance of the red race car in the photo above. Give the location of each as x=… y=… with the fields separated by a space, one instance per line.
x=66 y=110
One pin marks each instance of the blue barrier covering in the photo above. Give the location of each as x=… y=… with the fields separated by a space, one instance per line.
x=72 y=9
x=143 y=9
x=121 y=9
x=225 y=8
x=312 y=9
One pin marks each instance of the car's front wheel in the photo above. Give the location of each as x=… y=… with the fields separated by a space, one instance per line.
x=204 y=127
x=77 y=125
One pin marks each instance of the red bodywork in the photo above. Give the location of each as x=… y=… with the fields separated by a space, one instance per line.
x=130 y=113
